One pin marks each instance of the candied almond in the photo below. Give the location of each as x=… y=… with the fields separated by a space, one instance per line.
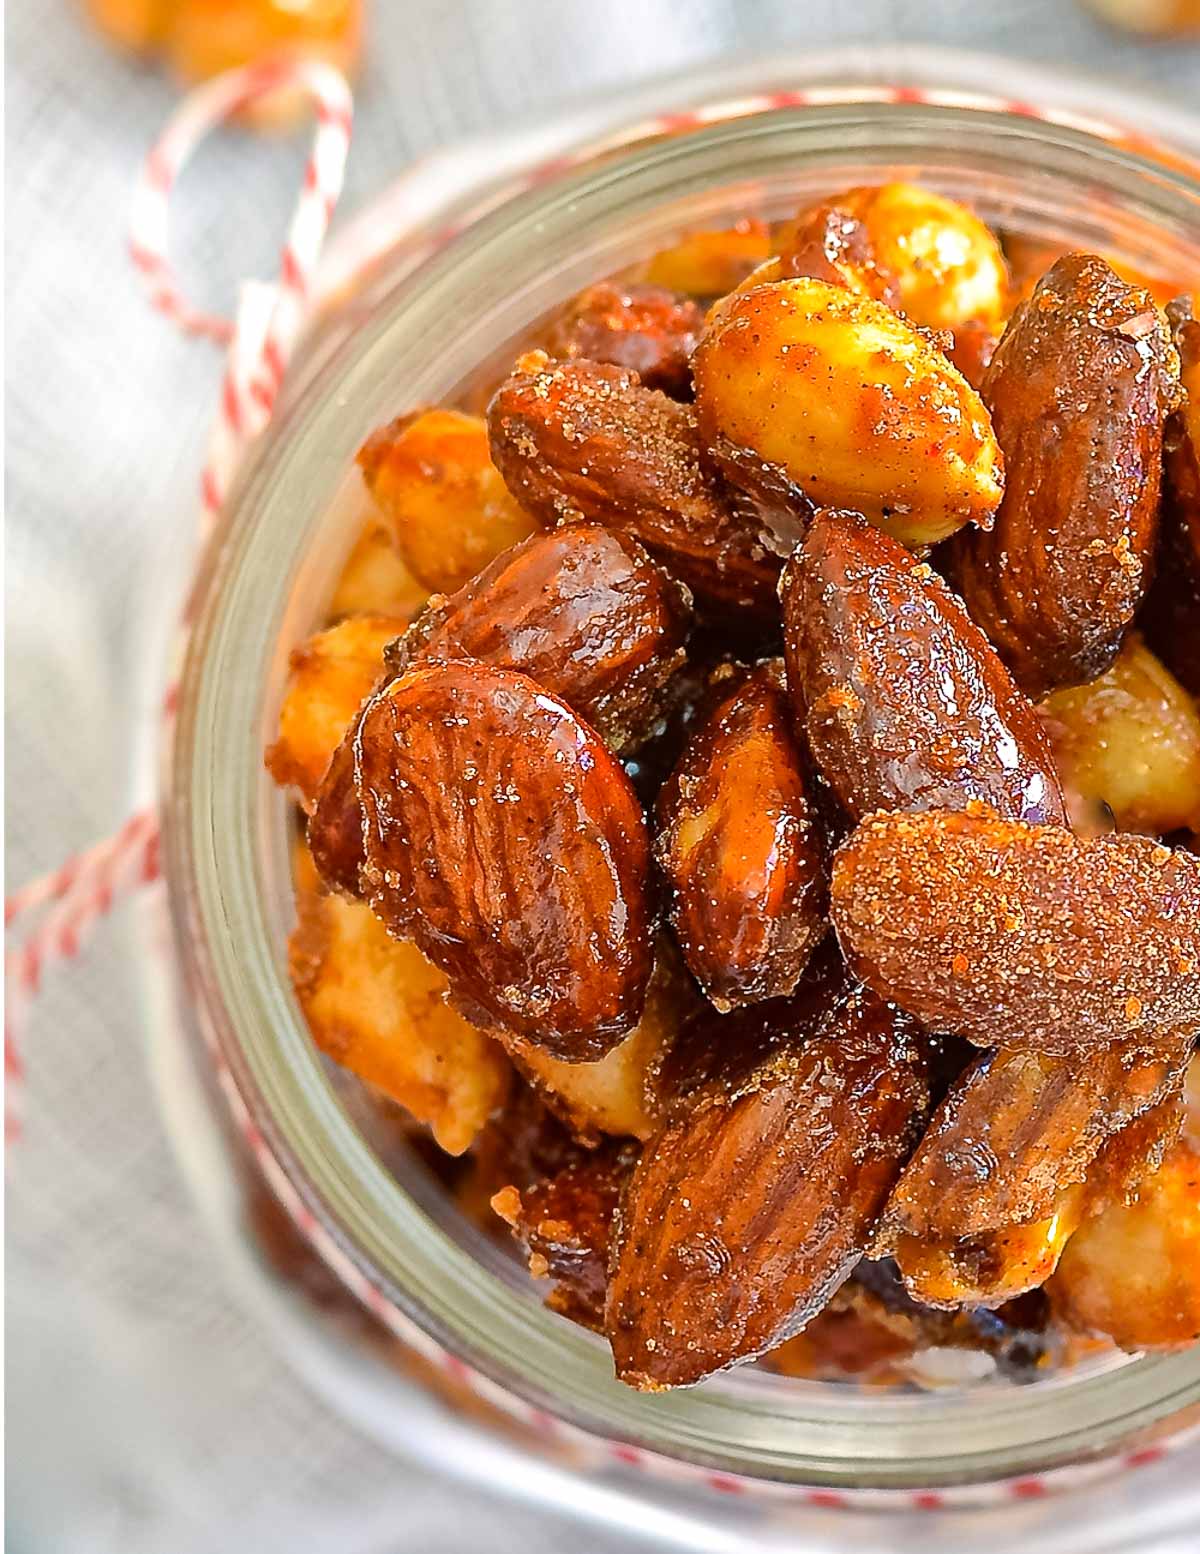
x=648 y=329
x=741 y=845
x=1020 y=935
x=1078 y=391
x=757 y=1197
x=903 y=699
x=581 y=610
x=580 y=440
x=1018 y=1127
x=505 y=839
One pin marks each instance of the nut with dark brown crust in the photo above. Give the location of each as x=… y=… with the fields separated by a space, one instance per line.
x=1172 y=615
x=756 y=1199
x=581 y=610
x=504 y=838
x=648 y=329
x=1019 y=1127
x=903 y=699
x=1078 y=391
x=578 y=440
x=741 y=846
x=1018 y=935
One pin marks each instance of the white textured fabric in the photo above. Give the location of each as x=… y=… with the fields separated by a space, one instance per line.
x=147 y=1414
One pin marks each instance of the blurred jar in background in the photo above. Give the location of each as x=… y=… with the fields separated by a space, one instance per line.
x=1150 y=16
x=201 y=38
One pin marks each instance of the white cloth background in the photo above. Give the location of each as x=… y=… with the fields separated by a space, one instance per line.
x=146 y=1413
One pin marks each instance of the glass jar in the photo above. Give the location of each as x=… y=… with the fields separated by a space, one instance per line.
x=421 y=318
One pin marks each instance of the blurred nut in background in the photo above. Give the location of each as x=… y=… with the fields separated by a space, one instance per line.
x=1155 y=16
x=201 y=38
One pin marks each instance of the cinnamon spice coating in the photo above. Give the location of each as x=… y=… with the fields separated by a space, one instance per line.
x=1021 y=936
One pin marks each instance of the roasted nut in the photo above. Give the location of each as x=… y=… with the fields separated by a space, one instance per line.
x=379 y=1008
x=1131 y=742
x=374 y=579
x=1019 y=1127
x=1133 y=1271
x=852 y=404
x=991 y=1268
x=335 y=826
x=753 y=1202
x=1172 y=615
x=710 y=264
x=648 y=329
x=580 y=440
x=830 y=242
x=1078 y=391
x=903 y=700
x=621 y=1094
x=331 y=676
x=446 y=507
x=565 y=1221
x=907 y=246
x=1025 y=935
x=741 y=846
x=974 y=346
x=582 y=611
x=504 y=838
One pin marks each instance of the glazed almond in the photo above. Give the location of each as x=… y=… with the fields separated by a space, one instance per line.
x=903 y=700
x=579 y=440
x=648 y=329
x=853 y=404
x=754 y=1201
x=504 y=838
x=741 y=847
x=1023 y=935
x=1019 y=1127
x=581 y=610
x=1078 y=391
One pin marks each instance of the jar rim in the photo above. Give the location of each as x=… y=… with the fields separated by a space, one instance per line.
x=226 y=846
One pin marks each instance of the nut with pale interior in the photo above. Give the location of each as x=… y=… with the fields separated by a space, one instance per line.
x=1129 y=741
x=442 y=499
x=855 y=406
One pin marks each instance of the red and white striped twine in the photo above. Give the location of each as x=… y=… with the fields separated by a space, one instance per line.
x=63 y=907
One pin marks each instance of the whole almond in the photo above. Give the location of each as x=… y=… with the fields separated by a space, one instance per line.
x=581 y=610
x=902 y=697
x=579 y=440
x=504 y=838
x=741 y=846
x=1078 y=391
x=1018 y=1127
x=756 y=1199
x=648 y=329
x=853 y=404
x=1018 y=935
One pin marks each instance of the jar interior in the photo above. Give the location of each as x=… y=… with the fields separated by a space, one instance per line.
x=454 y=323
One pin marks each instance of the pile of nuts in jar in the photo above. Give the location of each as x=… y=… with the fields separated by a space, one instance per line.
x=752 y=782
